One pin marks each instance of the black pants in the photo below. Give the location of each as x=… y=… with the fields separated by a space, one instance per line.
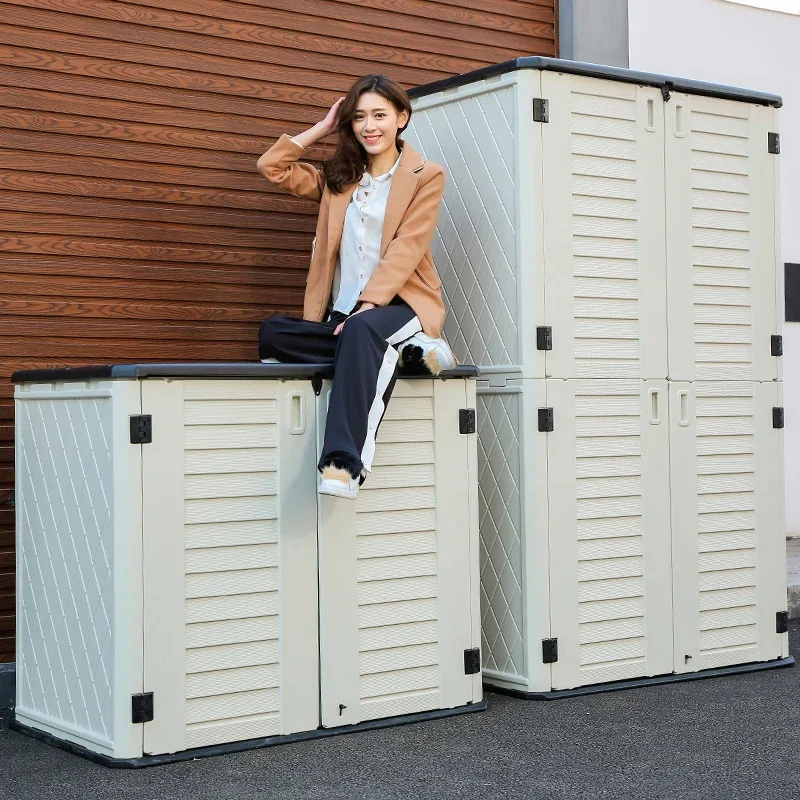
x=365 y=362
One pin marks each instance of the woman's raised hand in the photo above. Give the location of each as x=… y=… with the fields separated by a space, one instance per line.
x=328 y=125
x=325 y=127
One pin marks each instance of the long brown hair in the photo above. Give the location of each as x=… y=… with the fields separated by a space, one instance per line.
x=351 y=160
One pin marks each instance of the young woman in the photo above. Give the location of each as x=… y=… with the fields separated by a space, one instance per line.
x=371 y=284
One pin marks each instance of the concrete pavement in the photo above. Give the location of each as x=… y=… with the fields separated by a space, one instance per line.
x=730 y=738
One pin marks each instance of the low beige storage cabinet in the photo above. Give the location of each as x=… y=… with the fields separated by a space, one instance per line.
x=182 y=586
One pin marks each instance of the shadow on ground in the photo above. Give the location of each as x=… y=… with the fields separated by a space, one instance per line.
x=729 y=738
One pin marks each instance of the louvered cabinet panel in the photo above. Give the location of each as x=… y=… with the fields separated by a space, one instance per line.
x=230 y=602
x=610 y=581
x=603 y=210
x=726 y=511
x=721 y=240
x=399 y=566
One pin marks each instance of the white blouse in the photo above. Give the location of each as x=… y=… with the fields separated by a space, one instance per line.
x=360 y=248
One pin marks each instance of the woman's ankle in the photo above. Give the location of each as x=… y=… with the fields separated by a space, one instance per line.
x=342 y=461
x=331 y=473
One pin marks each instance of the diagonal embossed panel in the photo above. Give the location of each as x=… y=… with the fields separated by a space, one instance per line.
x=475 y=243
x=500 y=531
x=65 y=541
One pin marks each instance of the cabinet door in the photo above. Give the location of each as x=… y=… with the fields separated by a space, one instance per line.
x=399 y=601
x=603 y=189
x=728 y=537
x=721 y=240
x=230 y=589
x=610 y=576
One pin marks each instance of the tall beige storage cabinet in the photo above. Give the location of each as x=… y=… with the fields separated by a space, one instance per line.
x=180 y=591
x=608 y=248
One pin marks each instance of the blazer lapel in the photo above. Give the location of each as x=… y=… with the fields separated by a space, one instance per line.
x=404 y=184
x=336 y=213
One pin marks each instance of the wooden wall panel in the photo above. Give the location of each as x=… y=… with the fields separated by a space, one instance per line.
x=133 y=225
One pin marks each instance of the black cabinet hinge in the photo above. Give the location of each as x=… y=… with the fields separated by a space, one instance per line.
x=777 y=417
x=774 y=143
x=541 y=110
x=549 y=651
x=545 y=420
x=316 y=384
x=776 y=346
x=466 y=420
x=141 y=708
x=142 y=429
x=782 y=622
x=544 y=338
x=666 y=90
x=472 y=661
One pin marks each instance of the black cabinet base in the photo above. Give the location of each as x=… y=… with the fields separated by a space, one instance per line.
x=236 y=747
x=635 y=683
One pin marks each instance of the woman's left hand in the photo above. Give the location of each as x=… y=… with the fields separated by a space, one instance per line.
x=362 y=307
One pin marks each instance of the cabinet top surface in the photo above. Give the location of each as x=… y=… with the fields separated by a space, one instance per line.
x=666 y=82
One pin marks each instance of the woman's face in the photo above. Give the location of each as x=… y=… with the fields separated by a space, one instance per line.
x=376 y=123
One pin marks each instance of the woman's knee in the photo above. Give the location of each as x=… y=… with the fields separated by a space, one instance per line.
x=357 y=324
x=270 y=335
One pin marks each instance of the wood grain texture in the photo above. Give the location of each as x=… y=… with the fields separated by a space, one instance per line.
x=133 y=224
x=6 y=601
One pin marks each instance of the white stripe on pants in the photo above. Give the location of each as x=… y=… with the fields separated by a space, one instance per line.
x=384 y=376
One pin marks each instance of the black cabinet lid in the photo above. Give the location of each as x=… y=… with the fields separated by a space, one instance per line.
x=241 y=369
x=674 y=84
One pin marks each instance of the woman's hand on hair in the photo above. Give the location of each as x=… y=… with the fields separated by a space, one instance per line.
x=362 y=307
x=323 y=128
x=328 y=125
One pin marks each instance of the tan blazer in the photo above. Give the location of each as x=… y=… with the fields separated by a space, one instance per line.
x=412 y=210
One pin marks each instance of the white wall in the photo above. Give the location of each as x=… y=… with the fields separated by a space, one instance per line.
x=594 y=31
x=714 y=40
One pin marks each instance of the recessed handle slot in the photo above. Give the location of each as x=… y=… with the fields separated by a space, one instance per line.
x=679 y=120
x=683 y=407
x=650 y=125
x=297 y=413
x=655 y=419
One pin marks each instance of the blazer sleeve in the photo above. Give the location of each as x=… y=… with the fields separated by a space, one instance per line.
x=280 y=165
x=410 y=243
